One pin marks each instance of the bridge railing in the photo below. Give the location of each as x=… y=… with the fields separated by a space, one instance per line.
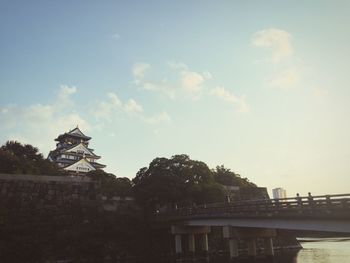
x=324 y=204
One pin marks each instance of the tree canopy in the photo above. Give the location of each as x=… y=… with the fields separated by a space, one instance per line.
x=178 y=180
x=225 y=176
x=17 y=158
x=110 y=184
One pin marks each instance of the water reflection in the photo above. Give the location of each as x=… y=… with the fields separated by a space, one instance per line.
x=286 y=257
x=334 y=250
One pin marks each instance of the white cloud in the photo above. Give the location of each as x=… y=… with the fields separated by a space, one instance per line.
x=277 y=40
x=207 y=75
x=161 y=117
x=63 y=99
x=109 y=109
x=114 y=99
x=161 y=86
x=226 y=95
x=131 y=106
x=39 y=124
x=192 y=81
x=286 y=79
x=184 y=83
x=139 y=69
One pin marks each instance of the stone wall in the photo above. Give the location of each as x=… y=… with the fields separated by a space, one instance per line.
x=42 y=192
x=63 y=218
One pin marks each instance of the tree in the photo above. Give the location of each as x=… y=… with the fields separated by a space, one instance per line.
x=9 y=163
x=225 y=176
x=16 y=158
x=110 y=184
x=178 y=180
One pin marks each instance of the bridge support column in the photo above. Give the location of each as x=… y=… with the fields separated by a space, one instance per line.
x=268 y=247
x=251 y=243
x=231 y=234
x=191 y=231
x=205 y=245
x=191 y=243
x=233 y=245
x=178 y=244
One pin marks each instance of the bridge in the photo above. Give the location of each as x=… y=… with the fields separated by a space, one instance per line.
x=259 y=219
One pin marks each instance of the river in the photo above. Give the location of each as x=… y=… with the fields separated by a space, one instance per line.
x=315 y=250
x=324 y=250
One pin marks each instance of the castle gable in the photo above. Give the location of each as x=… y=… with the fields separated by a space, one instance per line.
x=81 y=166
x=80 y=149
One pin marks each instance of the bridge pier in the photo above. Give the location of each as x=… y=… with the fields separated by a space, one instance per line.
x=178 y=244
x=191 y=243
x=191 y=231
x=229 y=233
x=205 y=244
x=251 y=245
x=249 y=235
x=268 y=246
x=233 y=245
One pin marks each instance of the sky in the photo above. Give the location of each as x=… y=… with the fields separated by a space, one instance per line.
x=261 y=87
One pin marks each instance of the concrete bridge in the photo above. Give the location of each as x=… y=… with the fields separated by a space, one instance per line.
x=259 y=219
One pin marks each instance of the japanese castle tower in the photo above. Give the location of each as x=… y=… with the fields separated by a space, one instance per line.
x=73 y=154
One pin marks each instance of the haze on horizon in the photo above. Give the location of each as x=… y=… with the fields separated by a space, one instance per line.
x=261 y=87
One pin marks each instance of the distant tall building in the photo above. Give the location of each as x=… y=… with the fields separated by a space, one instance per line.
x=279 y=193
x=72 y=153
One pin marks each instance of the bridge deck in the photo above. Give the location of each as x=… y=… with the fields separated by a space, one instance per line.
x=326 y=206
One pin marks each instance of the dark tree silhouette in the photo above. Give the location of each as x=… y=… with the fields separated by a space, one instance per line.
x=17 y=158
x=178 y=180
x=225 y=176
x=110 y=184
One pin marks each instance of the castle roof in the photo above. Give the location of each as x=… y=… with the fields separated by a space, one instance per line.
x=79 y=146
x=75 y=133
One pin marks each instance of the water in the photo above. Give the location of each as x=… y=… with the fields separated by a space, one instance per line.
x=315 y=250
x=326 y=250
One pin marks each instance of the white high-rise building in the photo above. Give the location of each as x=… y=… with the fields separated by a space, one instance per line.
x=279 y=193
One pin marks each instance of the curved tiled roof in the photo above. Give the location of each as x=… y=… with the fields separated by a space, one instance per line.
x=77 y=133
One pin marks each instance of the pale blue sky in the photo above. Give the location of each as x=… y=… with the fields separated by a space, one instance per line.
x=259 y=86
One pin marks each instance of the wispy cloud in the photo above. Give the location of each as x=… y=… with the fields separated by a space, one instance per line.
x=277 y=40
x=191 y=81
x=284 y=76
x=161 y=117
x=131 y=106
x=26 y=123
x=110 y=108
x=185 y=82
x=142 y=80
x=285 y=79
x=226 y=95
x=139 y=69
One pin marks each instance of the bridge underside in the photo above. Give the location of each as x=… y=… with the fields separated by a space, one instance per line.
x=341 y=226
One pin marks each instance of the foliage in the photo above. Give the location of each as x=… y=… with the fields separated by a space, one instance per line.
x=178 y=180
x=17 y=158
x=110 y=184
x=225 y=176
